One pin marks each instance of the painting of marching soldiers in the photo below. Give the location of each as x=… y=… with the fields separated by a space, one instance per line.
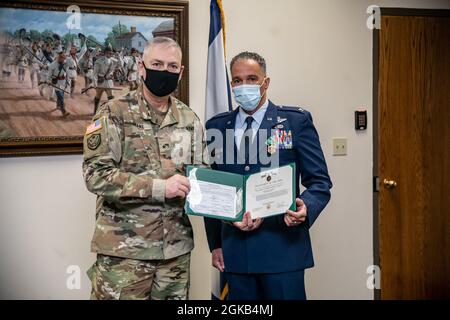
x=54 y=78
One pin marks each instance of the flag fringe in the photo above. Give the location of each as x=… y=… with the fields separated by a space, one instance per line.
x=222 y=18
x=224 y=293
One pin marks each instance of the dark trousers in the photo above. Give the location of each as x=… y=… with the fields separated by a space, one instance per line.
x=266 y=286
x=59 y=99
x=21 y=74
x=72 y=85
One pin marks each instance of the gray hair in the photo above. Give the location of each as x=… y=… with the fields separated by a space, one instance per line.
x=246 y=55
x=168 y=42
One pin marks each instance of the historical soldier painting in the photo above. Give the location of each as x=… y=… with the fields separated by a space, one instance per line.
x=54 y=77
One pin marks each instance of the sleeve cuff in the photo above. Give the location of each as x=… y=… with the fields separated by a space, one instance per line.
x=309 y=203
x=159 y=190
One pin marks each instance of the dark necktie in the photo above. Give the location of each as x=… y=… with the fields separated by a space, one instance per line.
x=247 y=138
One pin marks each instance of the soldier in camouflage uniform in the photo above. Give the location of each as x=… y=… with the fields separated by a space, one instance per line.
x=135 y=153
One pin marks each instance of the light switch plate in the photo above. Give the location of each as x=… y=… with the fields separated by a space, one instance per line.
x=339 y=146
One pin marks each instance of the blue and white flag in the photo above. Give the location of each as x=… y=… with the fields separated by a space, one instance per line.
x=218 y=99
x=218 y=95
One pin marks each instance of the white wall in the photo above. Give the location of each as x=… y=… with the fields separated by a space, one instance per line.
x=318 y=55
x=46 y=222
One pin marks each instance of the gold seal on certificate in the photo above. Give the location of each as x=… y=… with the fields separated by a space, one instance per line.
x=227 y=196
x=270 y=192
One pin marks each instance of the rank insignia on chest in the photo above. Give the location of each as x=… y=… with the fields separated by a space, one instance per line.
x=280 y=139
x=94 y=141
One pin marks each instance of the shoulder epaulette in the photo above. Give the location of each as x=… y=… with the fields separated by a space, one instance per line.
x=220 y=115
x=288 y=108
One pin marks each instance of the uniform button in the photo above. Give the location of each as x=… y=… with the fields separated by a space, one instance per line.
x=247 y=168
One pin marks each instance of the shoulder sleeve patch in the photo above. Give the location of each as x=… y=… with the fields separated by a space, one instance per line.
x=95 y=126
x=96 y=139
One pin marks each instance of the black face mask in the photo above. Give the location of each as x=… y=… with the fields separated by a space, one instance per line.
x=160 y=83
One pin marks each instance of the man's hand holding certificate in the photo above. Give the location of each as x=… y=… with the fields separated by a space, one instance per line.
x=228 y=196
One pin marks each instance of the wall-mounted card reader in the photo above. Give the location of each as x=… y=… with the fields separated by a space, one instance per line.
x=361 y=120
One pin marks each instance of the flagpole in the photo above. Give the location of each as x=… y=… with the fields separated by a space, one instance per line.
x=217 y=100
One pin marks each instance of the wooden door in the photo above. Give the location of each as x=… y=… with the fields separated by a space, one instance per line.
x=414 y=157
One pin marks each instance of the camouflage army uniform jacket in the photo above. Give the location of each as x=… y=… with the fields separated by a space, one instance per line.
x=127 y=157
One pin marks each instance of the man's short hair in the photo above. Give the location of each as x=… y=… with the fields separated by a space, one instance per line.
x=246 y=55
x=162 y=40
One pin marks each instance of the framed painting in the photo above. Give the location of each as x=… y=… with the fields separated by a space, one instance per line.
x=48 y=55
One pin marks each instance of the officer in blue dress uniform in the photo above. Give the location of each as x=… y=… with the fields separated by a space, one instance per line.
x=266 y=258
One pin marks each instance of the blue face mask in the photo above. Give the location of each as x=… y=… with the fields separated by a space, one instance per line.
x=248 y=96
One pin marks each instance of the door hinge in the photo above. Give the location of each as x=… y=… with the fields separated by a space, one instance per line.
x=376 y=184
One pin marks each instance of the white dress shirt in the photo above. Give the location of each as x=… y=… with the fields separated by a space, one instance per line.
x=240 y=125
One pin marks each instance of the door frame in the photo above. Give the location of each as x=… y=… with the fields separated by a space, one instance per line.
x=384 y=11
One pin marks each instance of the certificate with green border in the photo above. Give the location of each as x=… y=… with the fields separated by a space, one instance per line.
x=227 y=196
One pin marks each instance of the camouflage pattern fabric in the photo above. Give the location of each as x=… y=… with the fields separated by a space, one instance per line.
x=128 y=279
x=128 y=156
